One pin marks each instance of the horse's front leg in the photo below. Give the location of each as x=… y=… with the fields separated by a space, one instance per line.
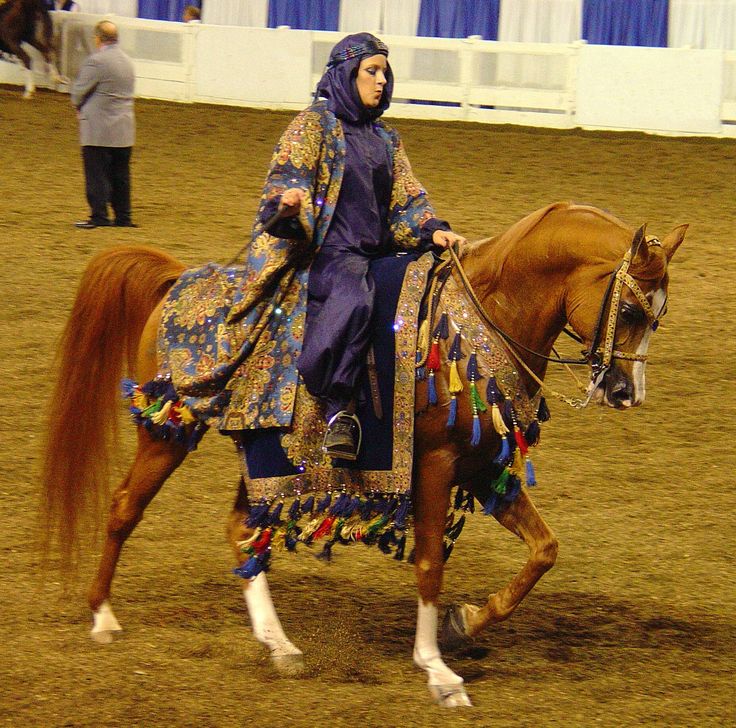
x=49 y=57
x=521 y=518
x=285 y=656
x=431 y=500
x=154 y=462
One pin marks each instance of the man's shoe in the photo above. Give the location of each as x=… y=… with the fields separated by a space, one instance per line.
x=343 y=436
x=125 y=224
x=90 y=224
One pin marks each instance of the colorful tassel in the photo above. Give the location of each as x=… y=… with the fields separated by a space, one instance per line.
x=476 y=434
x=452 y=414
x=504 y=453
x=531 y=478
x=520 y=441
x=423 y=340
x=532 y=433
x=498 y=423
x=431 y=388
x=433 y=360
x=543 y=413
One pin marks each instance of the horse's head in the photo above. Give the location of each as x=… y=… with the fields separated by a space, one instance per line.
x=616 y=312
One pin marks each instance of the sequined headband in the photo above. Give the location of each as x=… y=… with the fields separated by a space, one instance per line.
x=367 y=48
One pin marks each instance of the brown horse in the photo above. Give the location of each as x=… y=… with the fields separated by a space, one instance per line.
x=563 y=265
x=28 y=21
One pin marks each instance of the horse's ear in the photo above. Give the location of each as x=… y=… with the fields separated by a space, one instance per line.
x=672 y=241
x=636 y=242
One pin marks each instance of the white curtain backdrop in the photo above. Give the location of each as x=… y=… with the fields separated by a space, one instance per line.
x=401 y=17
x=536 y=21
x=702 y=24
x=706 y=24
x=360 y=15
x=126 y=8
x=251 y=13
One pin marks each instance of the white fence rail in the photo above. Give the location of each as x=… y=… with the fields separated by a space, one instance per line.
x=662 y=90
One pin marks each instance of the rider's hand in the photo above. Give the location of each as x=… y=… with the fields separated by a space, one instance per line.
x=446 y=238
x=291 y=202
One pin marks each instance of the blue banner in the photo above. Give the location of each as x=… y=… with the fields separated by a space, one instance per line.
x=305 y=14
x=626 y=22
x=458 y=18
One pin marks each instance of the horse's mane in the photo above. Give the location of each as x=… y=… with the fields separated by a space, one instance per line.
x=524 y=226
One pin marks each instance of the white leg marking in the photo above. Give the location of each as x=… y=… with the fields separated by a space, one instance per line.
x=30 y=86
x=104 y=624
x=265 y=622
x=446 y=687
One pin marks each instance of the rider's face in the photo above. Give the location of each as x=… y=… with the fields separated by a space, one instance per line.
x=371 y=79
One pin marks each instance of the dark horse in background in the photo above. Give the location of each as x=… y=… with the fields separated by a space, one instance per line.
x=28 y=21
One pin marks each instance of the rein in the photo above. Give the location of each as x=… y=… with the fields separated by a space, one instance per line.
x=597 y=357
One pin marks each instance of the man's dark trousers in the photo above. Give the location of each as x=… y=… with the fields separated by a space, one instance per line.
x=107 y=178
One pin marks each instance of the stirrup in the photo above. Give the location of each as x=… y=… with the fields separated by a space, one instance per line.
x=339 y=441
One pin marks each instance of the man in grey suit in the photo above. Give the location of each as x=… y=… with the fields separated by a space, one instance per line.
x=103 y=97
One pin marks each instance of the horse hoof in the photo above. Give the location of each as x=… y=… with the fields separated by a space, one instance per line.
x=103 y=636
x=105 y=624
x=288 y=665
x=453 y=634
x=450 y=696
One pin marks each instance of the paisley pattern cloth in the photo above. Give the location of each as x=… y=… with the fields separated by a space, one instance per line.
x=230 y=336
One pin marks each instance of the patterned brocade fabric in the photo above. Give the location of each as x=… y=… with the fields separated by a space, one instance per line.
x=230 y=337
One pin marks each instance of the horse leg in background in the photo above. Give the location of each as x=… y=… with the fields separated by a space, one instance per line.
x=463 y=622
x=25 y=59
x=431 y=501
x=154 y=462
x=285 y=656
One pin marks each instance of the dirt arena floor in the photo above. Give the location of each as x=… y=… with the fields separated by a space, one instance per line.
x=636 y=624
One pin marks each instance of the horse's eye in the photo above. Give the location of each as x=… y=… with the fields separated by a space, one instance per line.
x=631 y=314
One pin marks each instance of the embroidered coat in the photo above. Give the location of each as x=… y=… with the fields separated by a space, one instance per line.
x=230 y=337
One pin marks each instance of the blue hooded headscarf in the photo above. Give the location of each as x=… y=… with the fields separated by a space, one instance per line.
x=337 y=84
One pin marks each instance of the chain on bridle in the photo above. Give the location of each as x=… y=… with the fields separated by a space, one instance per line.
x=599 y=356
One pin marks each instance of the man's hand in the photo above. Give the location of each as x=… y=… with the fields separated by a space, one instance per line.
x=446 y=238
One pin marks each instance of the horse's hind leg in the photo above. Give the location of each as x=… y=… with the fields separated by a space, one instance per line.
x=154 y=462
x=267 y=629
x=431 y=501
x=521 y=518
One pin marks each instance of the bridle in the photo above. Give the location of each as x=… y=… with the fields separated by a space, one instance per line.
x=601 y=352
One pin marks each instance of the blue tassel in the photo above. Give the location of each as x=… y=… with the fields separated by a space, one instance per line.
x=472 y=372
x=504 y=453
x=290 y=542
x=532 y=433
x=513 y=488
x=543 y=413
x=326 y=553
x=507 y=412
x=475 y=437
x=455 y=353
x=402 y=512
x=493 y=396
x=253 y=566
x=400 y=546
x=308 y=505
x=431 y=390
x=127 y=388
x=324 y=504
x=274 y=518
x=531 y=478
x=442 y=330
x=339 y=506
x=295 y=510
x=365 y=508
x=489 y=507
x=452 y=415
x=421 y=374
x=386 y=539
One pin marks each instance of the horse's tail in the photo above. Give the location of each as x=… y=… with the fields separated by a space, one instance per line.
x=119 y=290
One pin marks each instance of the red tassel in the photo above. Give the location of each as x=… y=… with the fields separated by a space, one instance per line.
x=520 y=441
x=325 y=527
x=433 y=360
x=263 y=541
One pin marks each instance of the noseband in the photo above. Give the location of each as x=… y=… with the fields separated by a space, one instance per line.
x=598 y=357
